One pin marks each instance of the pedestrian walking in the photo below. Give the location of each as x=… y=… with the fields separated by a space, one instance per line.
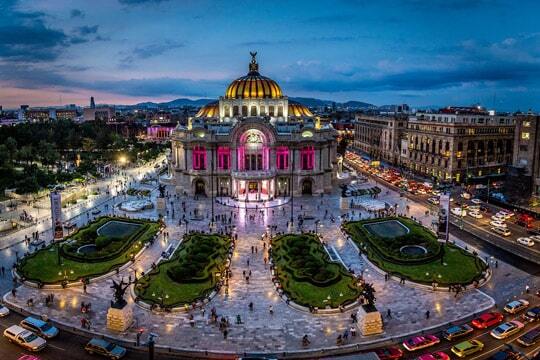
x=427 y=314
x=389 y=313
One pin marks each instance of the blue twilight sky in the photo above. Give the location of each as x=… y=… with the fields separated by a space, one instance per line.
x=420 y=52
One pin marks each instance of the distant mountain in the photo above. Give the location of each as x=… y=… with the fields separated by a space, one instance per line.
x=310 y=102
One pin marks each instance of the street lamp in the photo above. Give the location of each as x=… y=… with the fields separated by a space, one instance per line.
x=316 y=225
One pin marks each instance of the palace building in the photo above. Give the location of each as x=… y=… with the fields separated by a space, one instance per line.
x=254 y=144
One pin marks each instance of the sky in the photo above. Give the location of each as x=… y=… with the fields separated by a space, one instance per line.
x=423 y=53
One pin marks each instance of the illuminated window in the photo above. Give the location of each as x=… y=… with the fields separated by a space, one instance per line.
x=307 y=156
x=224 y=157
x=282 y=157
x=199 y=158
x=525 y=135
x=526 y=124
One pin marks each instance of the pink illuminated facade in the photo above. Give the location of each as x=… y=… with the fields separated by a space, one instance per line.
x=254 y=145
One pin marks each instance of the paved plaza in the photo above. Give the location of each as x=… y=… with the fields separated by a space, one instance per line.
x=260 y=330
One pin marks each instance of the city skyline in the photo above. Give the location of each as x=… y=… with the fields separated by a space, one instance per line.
x=420 y=53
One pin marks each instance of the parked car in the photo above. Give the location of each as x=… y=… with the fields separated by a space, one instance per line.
x=507 y=354
x=488 y=319
x=24 y=338
x=476 y=201
x=535 y=237
x=28 y=357
x=507 y=329
x=4 y=311
x=420 y=342
x=433 y=200
x=389 y=353
x=501 y=231
x=457 y=331
x=530 y=338
x=465 y=195
x=466 y=348
x=40 y=327
x=527 y=241
x=516 y=306
x=437 y=355
x=96 y=212
x=500 y=224
x=497 y=217
x=531 y=315
x=105 y=348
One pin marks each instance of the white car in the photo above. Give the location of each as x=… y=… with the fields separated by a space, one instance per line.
x=475 y=214
x=434 y=200
x=4 y=311
x=516 y=306
x=525 y=241
x=476 y=201
x=24 y=338
x=497 y=217
x=500 y=224
x=459 y=211
x=507 y=329
x=535 y=237
x=501 y=231
x=505 y=214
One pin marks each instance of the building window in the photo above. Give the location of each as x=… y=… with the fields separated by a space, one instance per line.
x=525 y=135
x=526 y=124
x=280 y=111
x=282 y=158
x=235 y=110
x=224 y=157
x=253 y=111
x=307 y=158
x=271 y=110
x=523 y=148
x=199 y=158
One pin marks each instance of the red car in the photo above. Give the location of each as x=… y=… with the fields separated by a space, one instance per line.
x=389 y=353
x=420 y=342
x=488 y=319
x=437 y=355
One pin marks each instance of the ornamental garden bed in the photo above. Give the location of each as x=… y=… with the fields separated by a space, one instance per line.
x=94 y=250
x=416 y=254
x=191 y=274
x=308 y=276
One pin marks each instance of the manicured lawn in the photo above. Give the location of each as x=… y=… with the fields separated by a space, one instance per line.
x=42 y=266
x=189 y=275
x=457 y=266
x=307 y=275
x=389 y=229
x=118 y=229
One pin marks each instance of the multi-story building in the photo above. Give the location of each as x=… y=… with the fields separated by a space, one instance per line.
x=254 y=144
x=527 y=150
x=100 y=113
x=37 y=114
x=65 y=114
x=380 y=136
x=460 y=144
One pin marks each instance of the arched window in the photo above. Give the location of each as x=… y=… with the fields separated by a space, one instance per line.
x=235 y=110
x=253 y=111
x=227 y=111
x=271 y=110
x=280 y=111
x=244 y=110
x=224 y=157
x=199 y=158
x=307 y=158
x=262 y=110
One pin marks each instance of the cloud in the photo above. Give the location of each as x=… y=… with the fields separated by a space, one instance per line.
x=33 y=43
x=149 y=51
x=87 y=30
x=76 y=13
x=314 y=39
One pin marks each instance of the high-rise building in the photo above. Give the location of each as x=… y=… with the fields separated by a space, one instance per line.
x=526 y=158
x=92 y=103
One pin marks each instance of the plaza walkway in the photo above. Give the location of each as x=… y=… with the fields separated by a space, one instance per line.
x=260 y=330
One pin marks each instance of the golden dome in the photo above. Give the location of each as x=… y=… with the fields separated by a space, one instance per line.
x=253 y=85
x=298 y=110
x=209 y=110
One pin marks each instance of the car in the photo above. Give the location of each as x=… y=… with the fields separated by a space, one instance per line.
x=28 y=357
x=496 y=223
x=4 y=311
x=462 y=205
x=40 y=327
x=535 y=237
x=105 y=348
x=24 y=338
x=531 y=315
x=466 y=348
x=507 y=354
x=497 y=217
x=527 y=241
x=488 y=319
x=465 y=195
x=457 y=331
x=459 y=211
x=433 y=200
x=516 y=306
x=475 y=214
x=420 y=342
x=507 y=214
x=507 y=329
x=389 y=353
x=96 y=212
x=501 y=231
x=474 y=207
x=476 y=201
x=436 y=355
x=530 y=338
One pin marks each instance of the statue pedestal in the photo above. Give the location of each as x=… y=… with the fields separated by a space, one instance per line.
x=344 y=203
x=212 y=227
x=290 y=228
x=369 y=323
x=161 y=204
x=120 y=319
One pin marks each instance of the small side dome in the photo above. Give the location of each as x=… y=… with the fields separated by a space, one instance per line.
x=298 y=110
x=209 y=110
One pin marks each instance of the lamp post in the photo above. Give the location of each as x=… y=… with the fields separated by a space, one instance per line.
x=316 y=225
x=291 y=188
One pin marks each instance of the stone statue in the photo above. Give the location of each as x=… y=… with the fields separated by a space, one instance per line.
x=119 y=291
x=161 y=189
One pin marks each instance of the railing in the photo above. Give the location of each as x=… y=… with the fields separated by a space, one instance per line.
x=255 y=174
